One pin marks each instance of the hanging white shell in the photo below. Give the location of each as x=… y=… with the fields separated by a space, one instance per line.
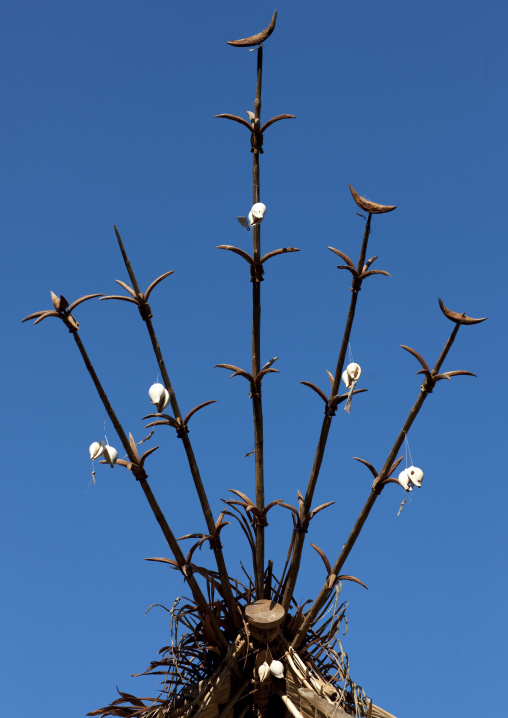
x=159 y=396
x=263 y=671
x=96 y=449
x=416 y=475
x=277 y=669
x=110 y=454
x=405 y=480
x=257 y=213
x=351 y=374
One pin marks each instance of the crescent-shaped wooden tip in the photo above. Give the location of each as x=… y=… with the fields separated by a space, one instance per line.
x=343 y=256
x=238 y=251
x=419 y=357
x=79 y=301
x=368 y=206
x=276 y=252
x=369 y=466
x=459 y=318
x=197 y=408
x=49 y=313
x=241 y=495
x=343 y=577
x=256 y=39
x=155 y=283
x=316 y=389
x=32 y=316
x=236 y=119
x=163 y=560
x=323 y=557
x=276 y=119
x=147 y=454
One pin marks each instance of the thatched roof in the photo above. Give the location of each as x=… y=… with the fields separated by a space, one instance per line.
x=259 y=676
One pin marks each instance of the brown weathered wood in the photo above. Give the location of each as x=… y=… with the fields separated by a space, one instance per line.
x=193 y=466
x=330 y=710
x=294 y=566
x=227 y=711
x=264 y=618
x=383 y=474
x=257 y=407
x=378 y=712
x=161 y=519
x=264 y=613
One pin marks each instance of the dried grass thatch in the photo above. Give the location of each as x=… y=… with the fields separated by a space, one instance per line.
x=198 y=680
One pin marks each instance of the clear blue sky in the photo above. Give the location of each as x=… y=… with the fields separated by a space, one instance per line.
x=107 y=117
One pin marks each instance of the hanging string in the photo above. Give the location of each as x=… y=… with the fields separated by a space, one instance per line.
x=347 y=406
x=408 y=450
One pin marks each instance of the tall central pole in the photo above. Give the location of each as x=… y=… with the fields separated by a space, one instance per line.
x=256 y=344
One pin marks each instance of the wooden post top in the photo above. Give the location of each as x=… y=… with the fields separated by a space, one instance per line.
x=264 y=614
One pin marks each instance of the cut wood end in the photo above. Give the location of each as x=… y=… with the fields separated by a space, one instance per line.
x=264 y=613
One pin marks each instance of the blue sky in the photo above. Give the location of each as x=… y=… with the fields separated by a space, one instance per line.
x=107 y=118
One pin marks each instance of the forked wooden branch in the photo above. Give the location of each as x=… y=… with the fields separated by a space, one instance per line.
x=183 y=434
x=299 y=538
x=63 y=311
x=389 y=466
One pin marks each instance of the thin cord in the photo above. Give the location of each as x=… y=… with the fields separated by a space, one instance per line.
x=350 y=353
x=408 y=450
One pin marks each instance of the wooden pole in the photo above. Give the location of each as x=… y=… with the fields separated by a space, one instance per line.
x=196 y=476
x=325 y=428
x=364 y=513
x=161 y=520
x=257 y=407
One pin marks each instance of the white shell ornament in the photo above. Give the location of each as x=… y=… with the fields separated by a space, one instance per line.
x=159 y=396
x=96 y=449
x=277 y=669
x=351 y=374
x=416 y=475
x=257 y=213
x=263 y=671
x=405 y=480
x=110 y=454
